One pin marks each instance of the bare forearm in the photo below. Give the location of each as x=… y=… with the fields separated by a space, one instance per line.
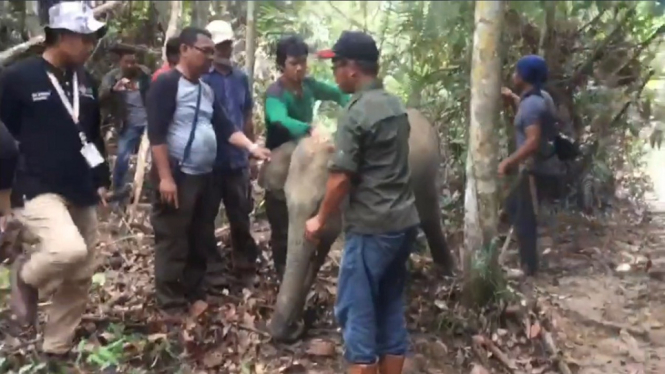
x=240 y=140
x=337 y=188
x=160 y=154
x=522 y=153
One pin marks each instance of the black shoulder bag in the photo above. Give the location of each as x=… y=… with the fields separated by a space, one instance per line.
x=564 y=148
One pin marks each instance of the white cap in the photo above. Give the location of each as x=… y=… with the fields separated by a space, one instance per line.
x=75 y=16
x=221 y=31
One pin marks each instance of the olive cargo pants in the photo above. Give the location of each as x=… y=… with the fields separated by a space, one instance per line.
x=63 y=262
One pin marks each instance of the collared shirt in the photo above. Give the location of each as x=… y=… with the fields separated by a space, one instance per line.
x=171 y=105
x=233 y=93
x=372 y=145
x=50 y=159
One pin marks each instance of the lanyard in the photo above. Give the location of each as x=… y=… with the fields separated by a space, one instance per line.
x=73 y=106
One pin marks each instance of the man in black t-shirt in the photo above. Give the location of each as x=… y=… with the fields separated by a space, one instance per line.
x=49 y=105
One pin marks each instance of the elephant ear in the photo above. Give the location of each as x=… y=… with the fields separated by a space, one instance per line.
x=272 y=176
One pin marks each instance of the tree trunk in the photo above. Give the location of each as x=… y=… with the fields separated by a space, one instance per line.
x=175 y=20
x=547 y=28
x=481 y=198
x=32 y=19
x=250 y=36
x=220 y=8
x=200 y=10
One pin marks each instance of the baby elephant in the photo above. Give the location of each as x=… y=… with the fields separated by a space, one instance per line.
x=304 y=187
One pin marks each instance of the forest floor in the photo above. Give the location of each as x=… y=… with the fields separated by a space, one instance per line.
x=600 y=300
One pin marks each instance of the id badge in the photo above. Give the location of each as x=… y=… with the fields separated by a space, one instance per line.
x=92 y=155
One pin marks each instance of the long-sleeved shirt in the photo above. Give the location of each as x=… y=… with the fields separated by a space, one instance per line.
x=233 y=93
x=8 y=157
x=50 y=158
x=288 y=116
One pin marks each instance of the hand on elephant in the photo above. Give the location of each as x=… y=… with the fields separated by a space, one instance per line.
x=259 y=152
x=313 y=227
x=319 y=134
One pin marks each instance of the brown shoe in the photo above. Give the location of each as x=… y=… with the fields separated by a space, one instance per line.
x=363 y=369
x=24 y=297
x=391 y=364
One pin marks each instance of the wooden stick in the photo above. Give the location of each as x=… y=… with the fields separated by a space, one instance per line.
x=139 y=175
x=504 y=247
x=7 y=55
x=555 y=354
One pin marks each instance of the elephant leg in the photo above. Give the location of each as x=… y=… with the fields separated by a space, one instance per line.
x=278 y=218
x=430 y=222
x=302 y=265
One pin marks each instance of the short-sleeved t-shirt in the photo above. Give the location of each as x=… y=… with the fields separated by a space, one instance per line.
x=536 y=109
x=372 y=143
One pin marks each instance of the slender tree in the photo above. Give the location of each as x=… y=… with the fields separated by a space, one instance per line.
x=481 y=198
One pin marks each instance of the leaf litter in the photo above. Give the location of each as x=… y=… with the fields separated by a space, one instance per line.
x=123 y=330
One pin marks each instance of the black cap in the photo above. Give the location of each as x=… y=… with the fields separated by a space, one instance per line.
x=353 y=45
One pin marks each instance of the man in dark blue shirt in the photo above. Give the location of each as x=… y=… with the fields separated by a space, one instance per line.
x=231 y=173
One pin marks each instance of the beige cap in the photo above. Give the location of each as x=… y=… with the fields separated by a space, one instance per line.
x=221 y=31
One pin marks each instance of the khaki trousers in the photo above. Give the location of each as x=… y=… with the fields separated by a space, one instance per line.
x=63 y=262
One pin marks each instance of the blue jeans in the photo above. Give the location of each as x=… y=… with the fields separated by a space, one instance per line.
x=370 y=296
x=129 y=139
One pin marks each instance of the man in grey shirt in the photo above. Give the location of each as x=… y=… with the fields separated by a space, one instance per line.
x=122 y=94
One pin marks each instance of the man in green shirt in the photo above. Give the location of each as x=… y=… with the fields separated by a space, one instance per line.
x=370 y=167
x=289 y=110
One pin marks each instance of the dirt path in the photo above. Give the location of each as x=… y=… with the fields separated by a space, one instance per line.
x=608 y=303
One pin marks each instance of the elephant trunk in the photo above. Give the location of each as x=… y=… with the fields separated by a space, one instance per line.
x=285 y=323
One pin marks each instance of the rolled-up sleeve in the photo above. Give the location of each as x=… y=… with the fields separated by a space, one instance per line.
x=347 y=145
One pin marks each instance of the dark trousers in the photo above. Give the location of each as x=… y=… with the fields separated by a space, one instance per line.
x=232 y=188
x=522 y=214
x=370 y=297
x=278 y=218
x=181 y=242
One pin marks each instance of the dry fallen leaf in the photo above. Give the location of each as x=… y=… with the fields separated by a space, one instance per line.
x=321 y=348
x=213 y=359
x=478 y=369
x=197 y=309
x=534 y=331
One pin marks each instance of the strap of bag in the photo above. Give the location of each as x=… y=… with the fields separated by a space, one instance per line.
x=188 y=147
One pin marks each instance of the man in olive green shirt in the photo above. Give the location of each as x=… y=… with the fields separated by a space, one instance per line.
x=289 y=111
x=371 y=167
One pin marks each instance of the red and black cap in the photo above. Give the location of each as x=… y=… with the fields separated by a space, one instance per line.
x=353 y=45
